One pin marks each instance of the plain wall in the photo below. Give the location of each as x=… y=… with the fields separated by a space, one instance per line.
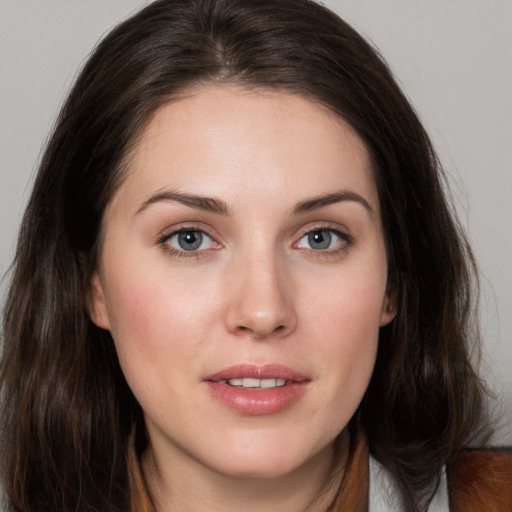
x=452 y=58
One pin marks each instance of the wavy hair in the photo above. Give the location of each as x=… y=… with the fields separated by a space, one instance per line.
x=67 y=415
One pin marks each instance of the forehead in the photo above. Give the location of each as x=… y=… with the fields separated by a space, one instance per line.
x=228 y=141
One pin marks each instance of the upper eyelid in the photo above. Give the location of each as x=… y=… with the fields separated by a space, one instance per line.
x=346 y=238
x=163 y=242
x=185 y=230
x=326 y=226
x=166 y=233
x=335 y=227
x=338 y=232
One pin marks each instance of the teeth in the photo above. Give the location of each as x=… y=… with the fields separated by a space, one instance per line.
x=251 y=383
x=255 y=383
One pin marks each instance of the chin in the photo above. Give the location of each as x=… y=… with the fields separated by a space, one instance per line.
x=267 y=462
x=266 y=469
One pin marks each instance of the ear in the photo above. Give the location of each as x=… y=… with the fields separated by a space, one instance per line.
x=388 y=311
x=97 y=306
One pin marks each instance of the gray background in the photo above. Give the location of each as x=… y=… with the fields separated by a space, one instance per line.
x=452 y=57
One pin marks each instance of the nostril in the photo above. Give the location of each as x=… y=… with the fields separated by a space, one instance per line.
x=261 y=333
x=260 y=316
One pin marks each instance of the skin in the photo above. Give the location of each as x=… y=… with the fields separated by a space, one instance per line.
x=257 y=291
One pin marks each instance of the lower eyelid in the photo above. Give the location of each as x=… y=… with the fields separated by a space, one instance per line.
x=344 y=239
x=165 y=241
x=344 y=242
x=203 y=234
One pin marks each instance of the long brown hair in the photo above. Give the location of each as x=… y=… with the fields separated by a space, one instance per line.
x=67 y=414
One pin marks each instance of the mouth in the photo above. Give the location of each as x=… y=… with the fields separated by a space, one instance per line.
x=251 y=383
x=257 y=390
x=251 y=376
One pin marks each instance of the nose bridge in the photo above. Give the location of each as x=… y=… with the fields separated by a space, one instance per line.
x=261 y=303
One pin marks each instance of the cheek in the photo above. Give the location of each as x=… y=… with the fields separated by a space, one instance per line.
x=348 y=305
x=345 y=321
x=349 y=346
x=137 y=304
x=152 y=306
x=159 y=321
x=156 y=333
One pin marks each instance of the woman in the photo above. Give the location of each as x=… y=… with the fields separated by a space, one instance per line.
x=238 y=282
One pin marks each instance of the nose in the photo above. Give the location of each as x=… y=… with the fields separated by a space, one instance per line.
x=261 y=299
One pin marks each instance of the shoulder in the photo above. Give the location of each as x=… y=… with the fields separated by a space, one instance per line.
x=481 y=481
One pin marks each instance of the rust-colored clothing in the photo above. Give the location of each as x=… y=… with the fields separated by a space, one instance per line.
x=477 y=481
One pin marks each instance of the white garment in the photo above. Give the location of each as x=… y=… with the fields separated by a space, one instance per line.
x=385 y=497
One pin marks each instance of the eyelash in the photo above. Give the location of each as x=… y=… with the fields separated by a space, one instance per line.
x=345 y=241
x=177 y=253
x=345 y=238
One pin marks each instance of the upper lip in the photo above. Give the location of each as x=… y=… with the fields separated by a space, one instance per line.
x=267 y=371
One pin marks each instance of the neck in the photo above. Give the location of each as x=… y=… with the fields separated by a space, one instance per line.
x=311 y=487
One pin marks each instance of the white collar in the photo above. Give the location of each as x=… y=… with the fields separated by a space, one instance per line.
x=385 y=497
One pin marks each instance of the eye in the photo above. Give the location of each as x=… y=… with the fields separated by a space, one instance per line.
x=324 y=240
x=189 y=240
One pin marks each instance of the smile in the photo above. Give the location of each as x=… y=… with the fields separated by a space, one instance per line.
x=257 y=390
x=251 y=383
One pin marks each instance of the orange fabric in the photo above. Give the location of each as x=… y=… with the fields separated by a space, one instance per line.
x=139 y=495
x=478 y=481
x=355 y=488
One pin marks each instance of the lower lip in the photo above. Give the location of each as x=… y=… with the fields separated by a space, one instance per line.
x=257 y=401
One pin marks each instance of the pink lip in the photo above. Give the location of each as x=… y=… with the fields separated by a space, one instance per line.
x=257 y=402
x=254 y=371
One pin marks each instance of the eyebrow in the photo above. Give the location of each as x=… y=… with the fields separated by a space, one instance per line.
x=208 y=204
x=315 y=203
x=214 y=205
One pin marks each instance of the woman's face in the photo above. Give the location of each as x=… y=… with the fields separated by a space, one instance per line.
x=243 y=279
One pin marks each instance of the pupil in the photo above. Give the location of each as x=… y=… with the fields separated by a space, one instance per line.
x=319 y=239
x=190 y=240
